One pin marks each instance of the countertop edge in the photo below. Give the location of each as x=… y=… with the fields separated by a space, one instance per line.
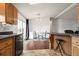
x=64 y=34
x=7 y=36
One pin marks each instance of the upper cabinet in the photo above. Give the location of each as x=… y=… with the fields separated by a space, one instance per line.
x=9 y=12
x=2 y=9
x=15 y=16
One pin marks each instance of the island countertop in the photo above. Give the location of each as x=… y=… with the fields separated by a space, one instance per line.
x=11 y=35
x=64 y=34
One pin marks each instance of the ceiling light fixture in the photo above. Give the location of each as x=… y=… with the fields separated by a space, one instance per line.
x=33 y=3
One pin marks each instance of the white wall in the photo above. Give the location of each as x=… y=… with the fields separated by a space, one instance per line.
x=39 y=25
x=67 y=21
x=54 y=25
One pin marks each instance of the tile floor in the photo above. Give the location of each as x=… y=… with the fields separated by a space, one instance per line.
x=43 y=52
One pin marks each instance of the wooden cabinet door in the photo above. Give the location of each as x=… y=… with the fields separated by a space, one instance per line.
x=9 y=13
x=2 y=9
x=7 y=47
x=6 y=51
x=15 y=15
x=75 y=50
x=2 y=12
x=75 y=46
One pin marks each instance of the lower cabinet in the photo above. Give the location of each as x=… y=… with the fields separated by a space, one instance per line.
x=75 y=46
x=67 y=45
x=70 y=45
x=7 y=51
x=75 y=50
x=7 y=47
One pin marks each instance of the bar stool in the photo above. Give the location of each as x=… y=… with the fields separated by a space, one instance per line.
x=60 y=42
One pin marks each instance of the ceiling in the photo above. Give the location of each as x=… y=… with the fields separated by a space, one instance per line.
x=41 y=9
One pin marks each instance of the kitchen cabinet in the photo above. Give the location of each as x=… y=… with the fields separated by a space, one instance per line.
x=75 y=46
x=6 y=51
x=75 y=50
x=7 y=46
x=15 y=16
x=70 y=45
x=66 y=45
x=9 y=12
x=2 y=9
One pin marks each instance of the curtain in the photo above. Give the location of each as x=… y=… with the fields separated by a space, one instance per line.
x=27 y=29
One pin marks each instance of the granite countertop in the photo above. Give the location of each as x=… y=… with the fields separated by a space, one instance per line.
x=64 y=34
x=6 y=36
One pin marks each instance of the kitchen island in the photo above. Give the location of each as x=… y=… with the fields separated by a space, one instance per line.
x=8 y=44
x=70 y=45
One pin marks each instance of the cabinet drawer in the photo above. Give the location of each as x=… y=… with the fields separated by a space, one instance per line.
x=75 y=40
x=5 y=42
x=6 y=51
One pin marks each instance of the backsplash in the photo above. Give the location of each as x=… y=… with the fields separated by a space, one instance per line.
x=7 y=27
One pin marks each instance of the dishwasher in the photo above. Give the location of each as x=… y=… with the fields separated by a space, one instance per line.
x=18 y=45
